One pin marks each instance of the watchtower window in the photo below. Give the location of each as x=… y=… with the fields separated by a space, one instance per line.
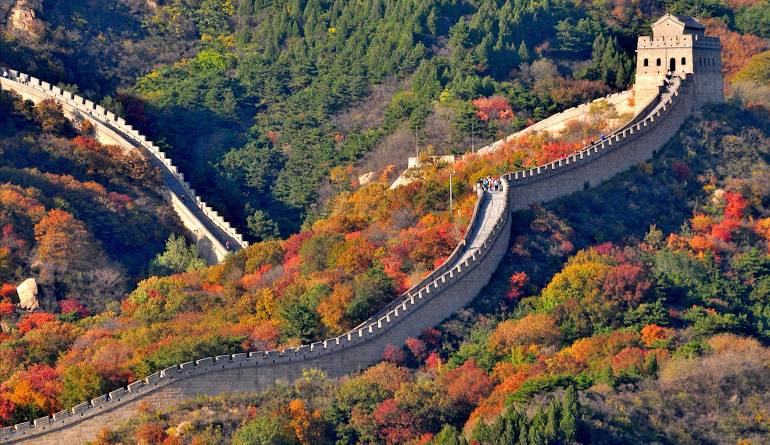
x=684 y=61
x=657 y=62
x=646 y=62
x=672 y=64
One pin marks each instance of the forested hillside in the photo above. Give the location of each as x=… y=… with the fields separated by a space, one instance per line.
x=610 y=307
x=84 y=219
x=289 y=90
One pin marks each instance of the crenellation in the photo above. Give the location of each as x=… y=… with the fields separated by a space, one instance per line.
x=102 y=399
x=81 y=408
x=153 y=378
x=169 y=372
x=61 y=415
x=118 y=394
x=136 y=386
x=22 y=426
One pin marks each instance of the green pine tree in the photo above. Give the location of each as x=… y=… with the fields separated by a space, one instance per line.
x=523 y=52
x=449 y=436
x=553 y=415
x=568 y=423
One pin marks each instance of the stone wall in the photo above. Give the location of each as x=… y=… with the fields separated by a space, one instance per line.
x=436 y=298
x=212 y=232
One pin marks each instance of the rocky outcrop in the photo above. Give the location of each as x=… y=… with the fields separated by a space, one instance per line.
x=366 y=178
x=23 y=19
x=28 y=291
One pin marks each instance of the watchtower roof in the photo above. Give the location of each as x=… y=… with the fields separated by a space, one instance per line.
x=689 y=22
x=678 y=24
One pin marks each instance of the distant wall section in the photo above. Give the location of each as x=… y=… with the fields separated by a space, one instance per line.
x=212 y=232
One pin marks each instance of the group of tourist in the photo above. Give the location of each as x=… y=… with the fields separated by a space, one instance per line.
x=490 y=184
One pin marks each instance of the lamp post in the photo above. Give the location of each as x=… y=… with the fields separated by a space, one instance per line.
x=473 y=135
x=416 y=145
x=450 y=194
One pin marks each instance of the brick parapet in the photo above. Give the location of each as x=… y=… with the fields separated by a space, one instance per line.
x=557 y=121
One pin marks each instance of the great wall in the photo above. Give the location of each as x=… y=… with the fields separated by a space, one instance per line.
x=450 y=287
x=215 y=236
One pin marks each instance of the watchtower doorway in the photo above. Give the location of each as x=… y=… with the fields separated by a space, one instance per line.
x=672 y=64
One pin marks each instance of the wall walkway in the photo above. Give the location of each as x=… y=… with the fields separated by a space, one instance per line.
x=213 y=233
x=448 y=288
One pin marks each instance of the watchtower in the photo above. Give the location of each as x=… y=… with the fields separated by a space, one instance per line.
x=678 y=46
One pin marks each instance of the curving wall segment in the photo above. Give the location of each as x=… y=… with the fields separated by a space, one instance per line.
x=215 y=236
x=448 y=288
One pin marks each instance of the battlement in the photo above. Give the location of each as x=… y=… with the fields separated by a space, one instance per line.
x=683 y=41
x=656 y=113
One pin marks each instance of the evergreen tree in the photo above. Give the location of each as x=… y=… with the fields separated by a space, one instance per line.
x=553 y=415
x=523 y=52
x=449 y=436
x=651 y=365
x=262 y=227
x=568 y=423
x=178 y=257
